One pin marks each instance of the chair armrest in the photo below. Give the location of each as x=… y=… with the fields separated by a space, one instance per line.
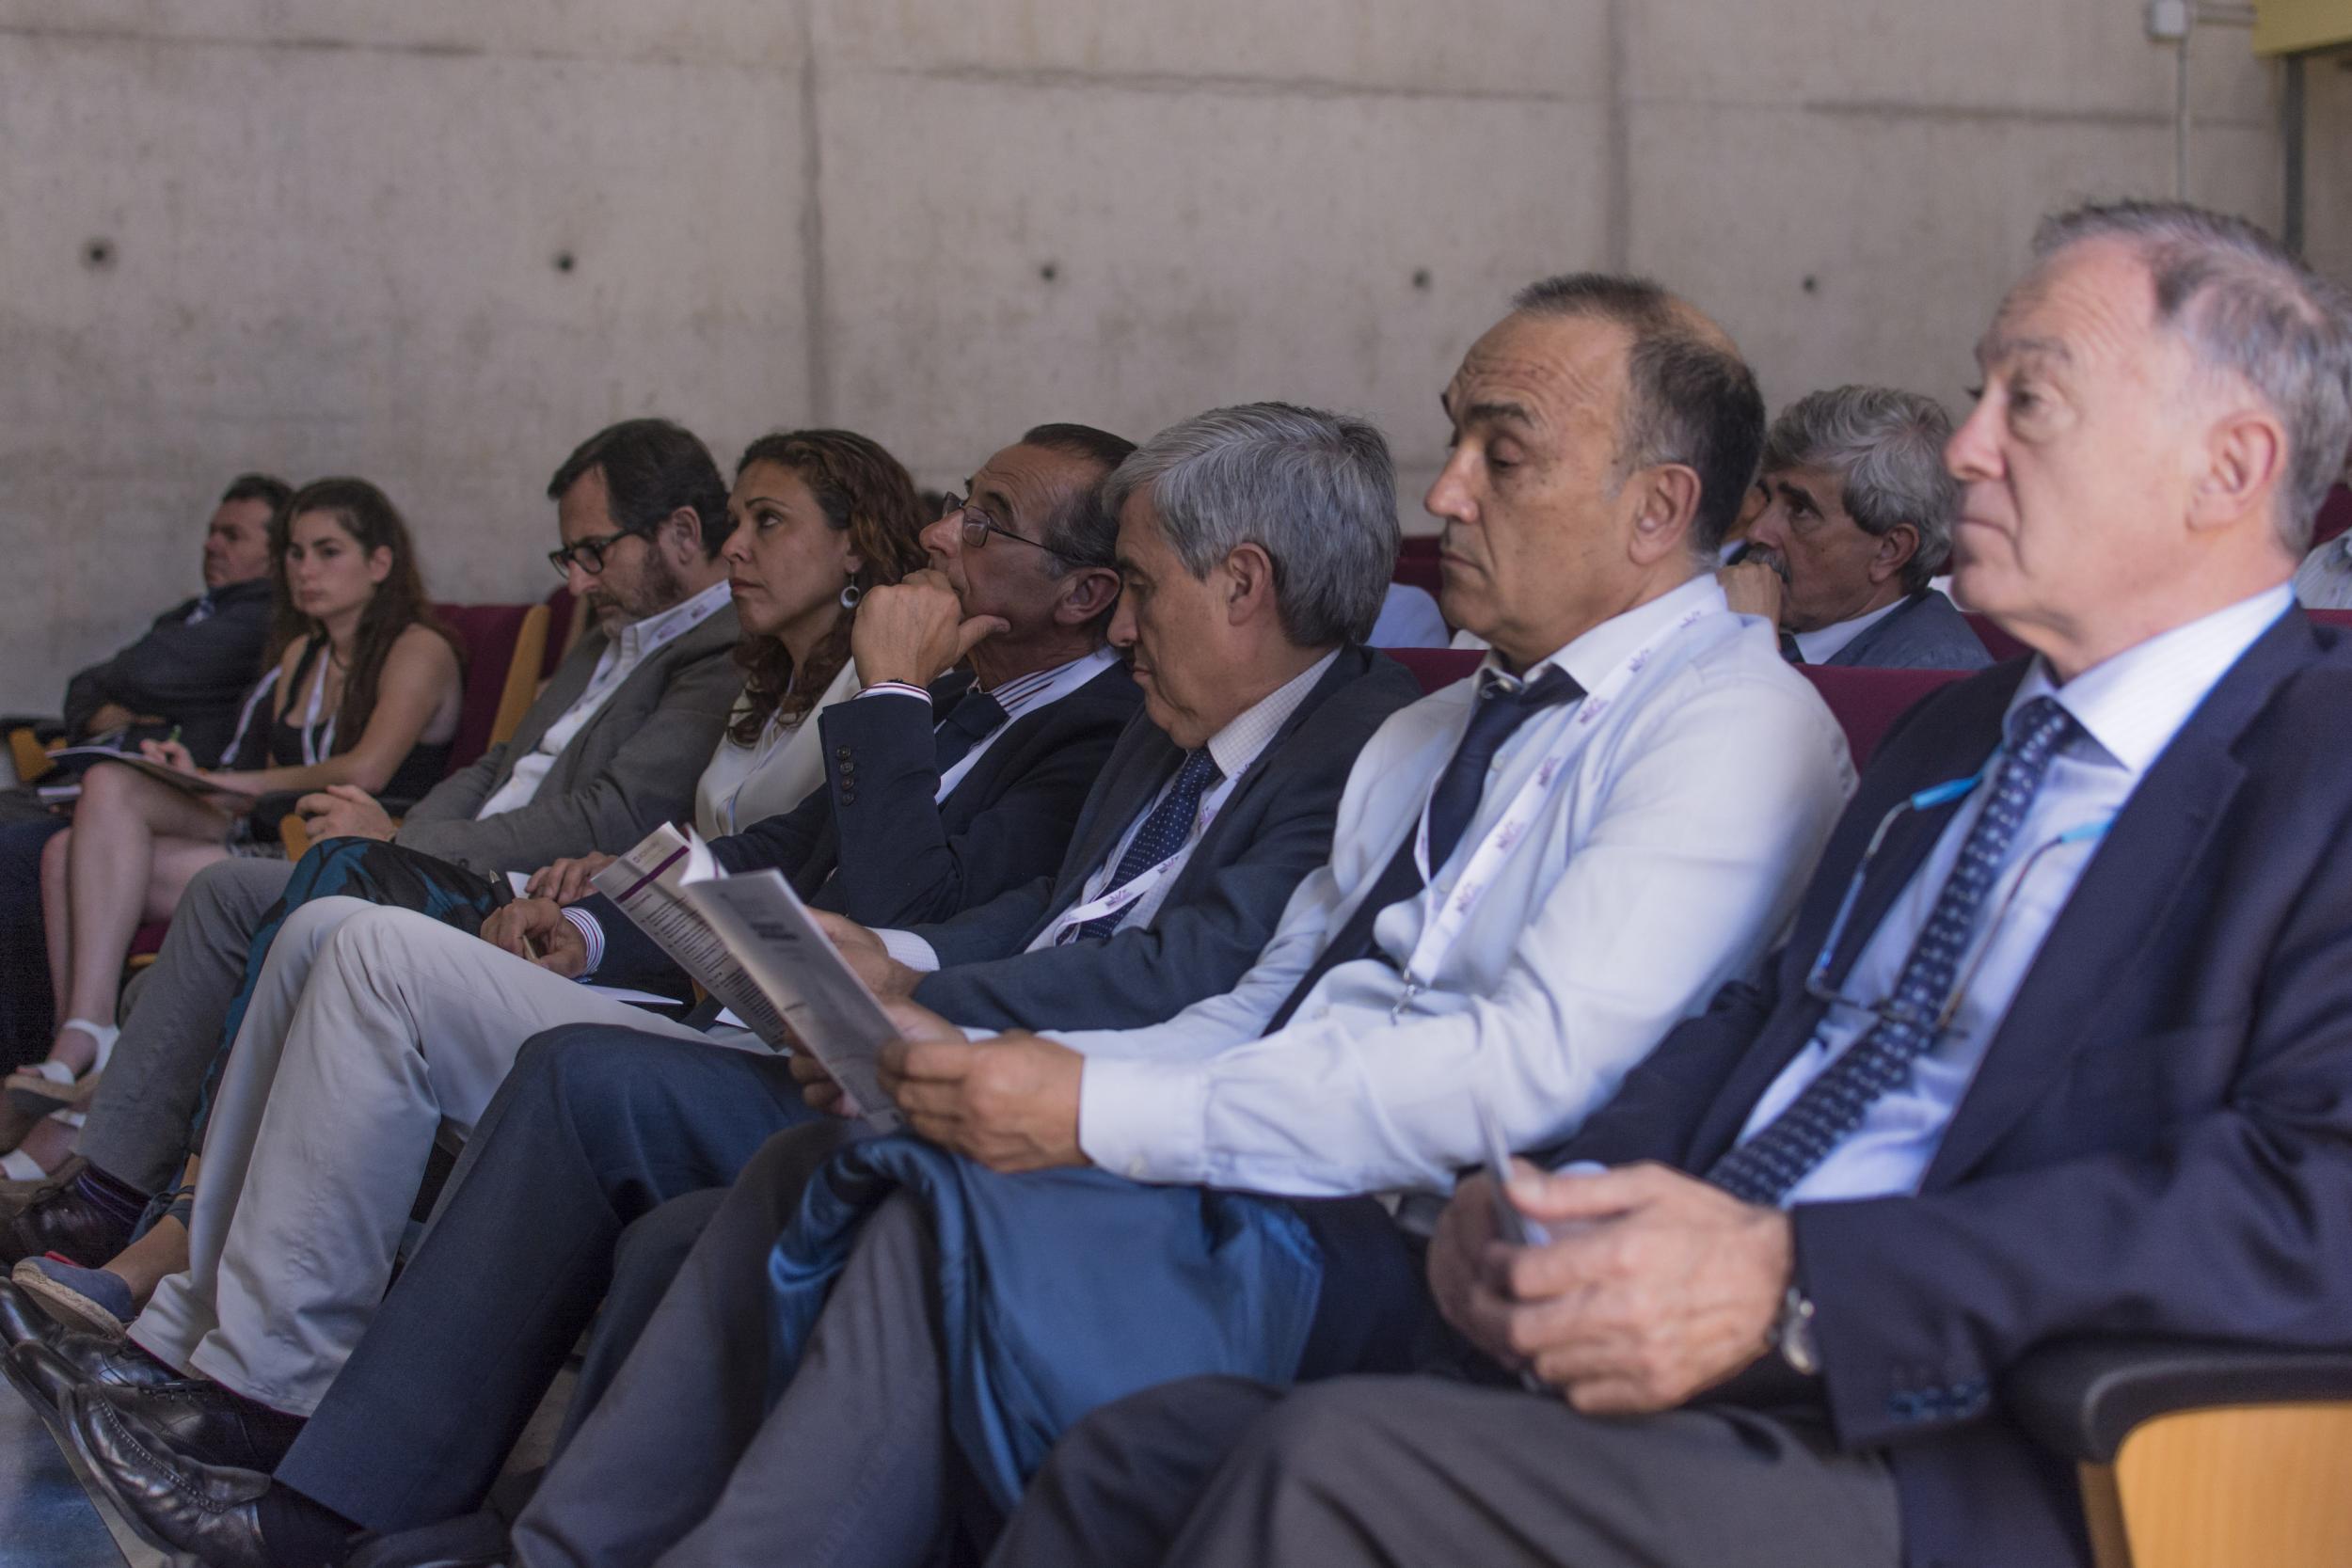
x=2081 y=1398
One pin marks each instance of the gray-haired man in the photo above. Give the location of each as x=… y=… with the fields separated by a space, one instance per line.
x=1532 y=873
x=1858 y=518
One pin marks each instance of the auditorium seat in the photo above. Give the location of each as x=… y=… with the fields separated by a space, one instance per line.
x=2192 y=1452
x=2335 y=515
x=1437 y=668
x=1417 y=563
x=2000 y=644
x=1865 y=702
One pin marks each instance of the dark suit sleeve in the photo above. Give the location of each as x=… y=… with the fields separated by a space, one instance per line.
x=1149 y=974
x=899 y=863
x=2240 y=1219
x=994 y=929
x=192 y=675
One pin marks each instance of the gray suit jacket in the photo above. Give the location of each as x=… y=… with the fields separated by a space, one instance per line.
x=1222 y=907
x=1924 y=632
x=632 y=765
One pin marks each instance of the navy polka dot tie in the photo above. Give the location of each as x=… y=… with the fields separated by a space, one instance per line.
x=1161 y=834
x=1825 y=1114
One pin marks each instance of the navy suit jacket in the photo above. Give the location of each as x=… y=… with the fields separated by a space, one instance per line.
x=1925 y=631
x=1222 y=910
x=2159 y=1138
x=872 y=845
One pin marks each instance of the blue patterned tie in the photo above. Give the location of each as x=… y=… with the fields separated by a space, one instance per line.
x=1828 y=1110
x=1161 y=834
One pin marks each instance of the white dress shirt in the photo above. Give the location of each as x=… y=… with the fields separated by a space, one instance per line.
x=1825 y=644
x=1668 y=851
x=744 y=785
x=2131 y=705
x=636 y=642
x=2325 y=582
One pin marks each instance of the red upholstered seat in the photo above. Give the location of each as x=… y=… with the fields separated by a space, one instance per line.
x=2000 y=644
x=558 y=630
x=1417 y=563
x=2335 y=515
x=2332 y=617
x=1867 y=702
x=489 y=632
x=1435 y=668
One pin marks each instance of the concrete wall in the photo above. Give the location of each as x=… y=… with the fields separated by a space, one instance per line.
x=331 y=228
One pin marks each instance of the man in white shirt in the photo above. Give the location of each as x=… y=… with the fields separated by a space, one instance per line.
x=1859 y=522
x=2060 y=1049
x=1616 y=817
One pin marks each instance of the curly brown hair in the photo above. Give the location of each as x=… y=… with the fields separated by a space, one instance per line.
x=367 y=514
x=866 y=493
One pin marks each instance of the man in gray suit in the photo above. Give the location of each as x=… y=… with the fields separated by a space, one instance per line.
x=613 y=746
x=1859 y=517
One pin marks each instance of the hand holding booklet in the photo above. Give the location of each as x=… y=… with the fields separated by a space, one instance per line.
x=750 y=942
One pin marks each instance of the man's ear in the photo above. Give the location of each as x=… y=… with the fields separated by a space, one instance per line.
x=1248 y=580
x=1896 y=547
x=1667 y=502
x=680 y=534
x=2244 y=460
x=1086 y=594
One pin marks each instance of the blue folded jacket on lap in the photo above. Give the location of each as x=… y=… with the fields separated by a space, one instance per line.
x=1060 y=1291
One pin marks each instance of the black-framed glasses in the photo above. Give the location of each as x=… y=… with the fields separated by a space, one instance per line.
x=1816 y=984
x=978 y=525
x=589 y=552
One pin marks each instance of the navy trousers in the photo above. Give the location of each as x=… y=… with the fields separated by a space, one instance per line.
x=594 y=1127
x=27 y=1012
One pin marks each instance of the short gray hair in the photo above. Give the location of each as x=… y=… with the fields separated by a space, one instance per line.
x=2246 y=309
x=1886 y=448
x=1315 y=491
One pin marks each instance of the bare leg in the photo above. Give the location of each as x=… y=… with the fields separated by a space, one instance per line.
x=163 y=1251
x=49 y=1143
x=57 y=903
x=121 y=815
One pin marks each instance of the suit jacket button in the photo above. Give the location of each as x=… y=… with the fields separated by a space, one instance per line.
x=842 y=752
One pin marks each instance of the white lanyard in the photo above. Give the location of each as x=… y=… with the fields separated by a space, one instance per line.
x=315 y=747
x=262 y=688
x=1443 y=928
x=1117 y=899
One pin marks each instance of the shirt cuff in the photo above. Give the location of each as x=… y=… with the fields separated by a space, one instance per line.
x=909 y=949
x=894 y=689
x=589 y=932
x=1144 y=1119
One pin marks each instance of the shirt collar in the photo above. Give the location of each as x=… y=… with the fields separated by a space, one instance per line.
x=2133 y=703
x=1822 y=643
x=1250 y=731
x=1038 y=686
x=643 y=638
x=1590 y=657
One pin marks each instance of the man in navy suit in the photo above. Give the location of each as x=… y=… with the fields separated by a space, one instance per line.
x=2062 y=1043
x=1857 y=522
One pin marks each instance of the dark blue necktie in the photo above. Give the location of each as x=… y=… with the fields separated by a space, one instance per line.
x=1504 y=704
x=1161 y=834
x=1825 y=1114
x=970 y=721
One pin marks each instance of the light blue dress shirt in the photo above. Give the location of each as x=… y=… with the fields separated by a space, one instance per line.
x=2130 y=707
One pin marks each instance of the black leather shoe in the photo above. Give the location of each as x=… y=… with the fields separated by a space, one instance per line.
x=176 y=1503
x=46 y=1371
x=469 y=1541
x=207 y=1423
x=59 y=1219
x=22 y=1318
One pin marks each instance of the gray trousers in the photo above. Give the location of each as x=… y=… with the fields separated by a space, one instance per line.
x=139 y=1123
x=1408 y=1470
x=683 y=1462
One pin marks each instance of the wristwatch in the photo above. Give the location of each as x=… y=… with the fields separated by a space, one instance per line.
x=1792 y=1334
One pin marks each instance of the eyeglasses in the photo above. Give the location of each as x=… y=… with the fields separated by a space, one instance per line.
x=1887 y=1009
x=588 y=552
x=978 y=525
